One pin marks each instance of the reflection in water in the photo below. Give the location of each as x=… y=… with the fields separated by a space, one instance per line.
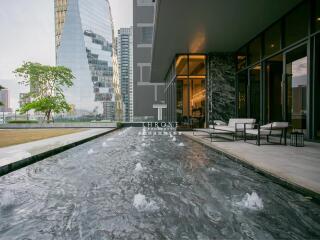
x=186 y=192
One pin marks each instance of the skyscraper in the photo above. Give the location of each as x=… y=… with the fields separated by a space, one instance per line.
x=84 y=43
x=148 y=93
x=124 y=45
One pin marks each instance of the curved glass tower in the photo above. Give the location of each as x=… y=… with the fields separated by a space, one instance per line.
x=84 y=43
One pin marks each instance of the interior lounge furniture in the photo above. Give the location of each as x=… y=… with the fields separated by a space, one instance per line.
x=274 y=129
x=235 y=126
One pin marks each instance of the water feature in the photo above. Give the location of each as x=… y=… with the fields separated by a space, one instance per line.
x=159 y=190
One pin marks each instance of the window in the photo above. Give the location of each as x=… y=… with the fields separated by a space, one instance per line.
x=317 y=90
x=272 y=38
x=146 y=35
x=141 y=3
x=296 y=25
x=316 y=16
x=297 y=84
x=242 y=94
x=197 y=65
x=182 y=65
x=255 y=92
x=273 y=89
x=242 y=58
x=255 y=50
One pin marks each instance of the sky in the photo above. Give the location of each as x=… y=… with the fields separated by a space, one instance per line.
x=27 y=34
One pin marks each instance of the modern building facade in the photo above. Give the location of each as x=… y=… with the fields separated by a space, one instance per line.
x=148 y=96
x=125 y=60
x=261 y=61
x=5 y=100
x=84 y=43
x=24 y=99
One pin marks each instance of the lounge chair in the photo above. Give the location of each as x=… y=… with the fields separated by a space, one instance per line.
x=211 y=131
x=274 y=129
x=235 y=125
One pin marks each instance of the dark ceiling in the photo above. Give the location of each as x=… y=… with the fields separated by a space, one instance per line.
x=201 y=26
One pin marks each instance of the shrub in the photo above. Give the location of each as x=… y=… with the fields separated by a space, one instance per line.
x=119 y=124
x=23 y=121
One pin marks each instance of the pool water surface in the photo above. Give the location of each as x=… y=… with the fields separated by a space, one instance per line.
x=127 y=186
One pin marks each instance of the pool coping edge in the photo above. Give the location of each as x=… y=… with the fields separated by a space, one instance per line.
x=41 y=156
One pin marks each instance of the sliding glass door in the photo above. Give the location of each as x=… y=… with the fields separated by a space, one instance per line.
x=274 y=94
x=254 y=91
x=316 y=90
x=242 y=94
x=296 y=79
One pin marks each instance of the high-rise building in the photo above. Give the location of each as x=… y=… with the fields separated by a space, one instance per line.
x=124 y=45
x=222 y=61
x=5 y=100
x=148 y=95
x=84 y=43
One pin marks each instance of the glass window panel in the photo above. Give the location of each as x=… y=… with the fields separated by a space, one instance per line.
x=273 y=94
x=242 y=58
x=317 y=90
x=197 y=102
x=255 y=92
x=272 y=38
x=146 y=35
x=296 y=24
x=182 y=65
x=254 y=50
x=182 y=101
x=316 y=16
x=197 y=65
x=242 y=94
x=297 y=79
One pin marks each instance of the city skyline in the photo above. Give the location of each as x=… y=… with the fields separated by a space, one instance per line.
x=32 y=25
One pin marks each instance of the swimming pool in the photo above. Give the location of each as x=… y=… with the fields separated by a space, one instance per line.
x=127 y=186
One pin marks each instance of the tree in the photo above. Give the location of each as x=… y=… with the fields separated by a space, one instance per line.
x=46 y=88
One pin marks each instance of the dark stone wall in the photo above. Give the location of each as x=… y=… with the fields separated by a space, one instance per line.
x=221 y=86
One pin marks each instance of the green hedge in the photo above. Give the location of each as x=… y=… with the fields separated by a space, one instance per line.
x=22 y=121
x=119 y=124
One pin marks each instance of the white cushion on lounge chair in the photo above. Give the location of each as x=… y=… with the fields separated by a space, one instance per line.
x=255 y=132
x=225 y=128
x=219 y=123
x=275 y=125
x=264 y=132
x=249 y=123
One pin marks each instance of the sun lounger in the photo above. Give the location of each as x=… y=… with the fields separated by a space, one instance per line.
x=274 y=129
x=235 y=125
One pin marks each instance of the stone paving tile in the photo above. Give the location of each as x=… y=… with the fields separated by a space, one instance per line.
x=297 y=165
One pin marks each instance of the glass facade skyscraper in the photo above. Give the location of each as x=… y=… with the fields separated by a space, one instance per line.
x=125 y=60
x=84 y=43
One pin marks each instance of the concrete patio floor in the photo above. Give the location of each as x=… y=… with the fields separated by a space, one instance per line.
x=299 y=167
x=17 y=156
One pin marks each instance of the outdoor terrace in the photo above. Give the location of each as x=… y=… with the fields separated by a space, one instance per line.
x=298 y=167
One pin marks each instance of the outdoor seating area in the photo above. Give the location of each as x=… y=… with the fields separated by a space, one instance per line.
x=274 y=129
x=246 y=129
